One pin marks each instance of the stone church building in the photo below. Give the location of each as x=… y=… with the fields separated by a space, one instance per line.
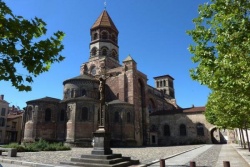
x=136 y=113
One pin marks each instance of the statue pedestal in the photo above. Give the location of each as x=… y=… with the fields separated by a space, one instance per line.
x=101 y=154
x=101 y=143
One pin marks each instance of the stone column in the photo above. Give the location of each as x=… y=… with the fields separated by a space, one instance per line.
x=71 y=112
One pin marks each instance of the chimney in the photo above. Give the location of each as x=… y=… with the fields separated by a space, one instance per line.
x=2 y=97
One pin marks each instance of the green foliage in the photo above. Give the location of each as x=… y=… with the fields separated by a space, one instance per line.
x=19 y=147
x=41 y=145
x=228 y=110
x=21 y=44
x=222 y=53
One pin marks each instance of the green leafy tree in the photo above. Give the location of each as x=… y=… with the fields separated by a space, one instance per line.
x=222 y=45
x=22 y=43
x=221 y=51
x=228 y=110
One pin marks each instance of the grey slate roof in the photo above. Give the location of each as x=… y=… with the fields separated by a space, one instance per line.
x=81 y=77
x=118 y=102
x=45 y=99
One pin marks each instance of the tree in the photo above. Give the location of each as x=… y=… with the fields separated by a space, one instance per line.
x=227 y=110
x=21 y=45
x=222 y=45
x=222 y=51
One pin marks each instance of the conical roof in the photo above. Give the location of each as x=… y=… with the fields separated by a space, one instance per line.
x=104 y=20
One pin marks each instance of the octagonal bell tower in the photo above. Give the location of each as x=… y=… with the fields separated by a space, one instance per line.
x=104 y=40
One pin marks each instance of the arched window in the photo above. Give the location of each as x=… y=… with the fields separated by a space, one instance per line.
x=104 y=35
x=95 y=36
x=170 y=83
x=150 y=108
x=166 y=130
x=85 y=68
x=84 y=114
x=2 y=122
x=128 y=117
x=72 y=93
x=104 y=52
x=160 y=83
x=183 y=131
x=113 y=37
x=62 y=115
x=171 y=93
x=29 y=115
x=117 y=95
x=93 y=51
x=47 y=115
x=157 y=83
x=116 y=117
x=165 y=91
x=93 y=70
x=164 y=83
x=200 y=129
x=83 y=92
x=114 y=54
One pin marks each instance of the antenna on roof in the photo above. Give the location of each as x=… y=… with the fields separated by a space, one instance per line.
x=105 y=5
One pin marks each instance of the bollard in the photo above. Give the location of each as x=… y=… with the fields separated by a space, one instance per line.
x=226 y=164
x=162 y=162
x=192 y=164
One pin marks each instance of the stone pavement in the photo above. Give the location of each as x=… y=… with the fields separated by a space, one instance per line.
x=146 y=155
x=206 y=156
x=184 y=158
x=237 y=156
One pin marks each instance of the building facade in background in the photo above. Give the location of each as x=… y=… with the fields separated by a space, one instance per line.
x=132 y=106
x=4 y=106
x=14 y=125
x=11 y=119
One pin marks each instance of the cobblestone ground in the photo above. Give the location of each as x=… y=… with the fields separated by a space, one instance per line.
x=209 y=157
x=144 y=154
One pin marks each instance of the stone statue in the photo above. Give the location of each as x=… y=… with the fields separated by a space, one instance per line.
x=101 y=89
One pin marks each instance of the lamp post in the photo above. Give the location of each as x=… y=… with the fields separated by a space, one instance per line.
x=101 y=141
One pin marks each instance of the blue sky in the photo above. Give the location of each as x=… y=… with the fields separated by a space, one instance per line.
x=153 y=32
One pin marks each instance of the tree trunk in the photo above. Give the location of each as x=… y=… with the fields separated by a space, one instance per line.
x=247 y=139
x=243 y=140
x=240 y=137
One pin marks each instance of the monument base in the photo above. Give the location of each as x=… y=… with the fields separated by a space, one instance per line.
x=101 y=143
x=112 y=160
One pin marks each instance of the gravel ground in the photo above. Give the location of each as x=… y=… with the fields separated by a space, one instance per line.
x=144 y=154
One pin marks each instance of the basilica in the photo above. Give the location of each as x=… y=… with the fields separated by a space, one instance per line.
x=136 y=114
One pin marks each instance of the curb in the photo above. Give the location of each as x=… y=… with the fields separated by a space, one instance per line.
x=25 y=163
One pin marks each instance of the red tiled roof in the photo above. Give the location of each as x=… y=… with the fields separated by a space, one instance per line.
x=104 y=20
x=13 y=116
x=178 y=111
x=194 y=109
